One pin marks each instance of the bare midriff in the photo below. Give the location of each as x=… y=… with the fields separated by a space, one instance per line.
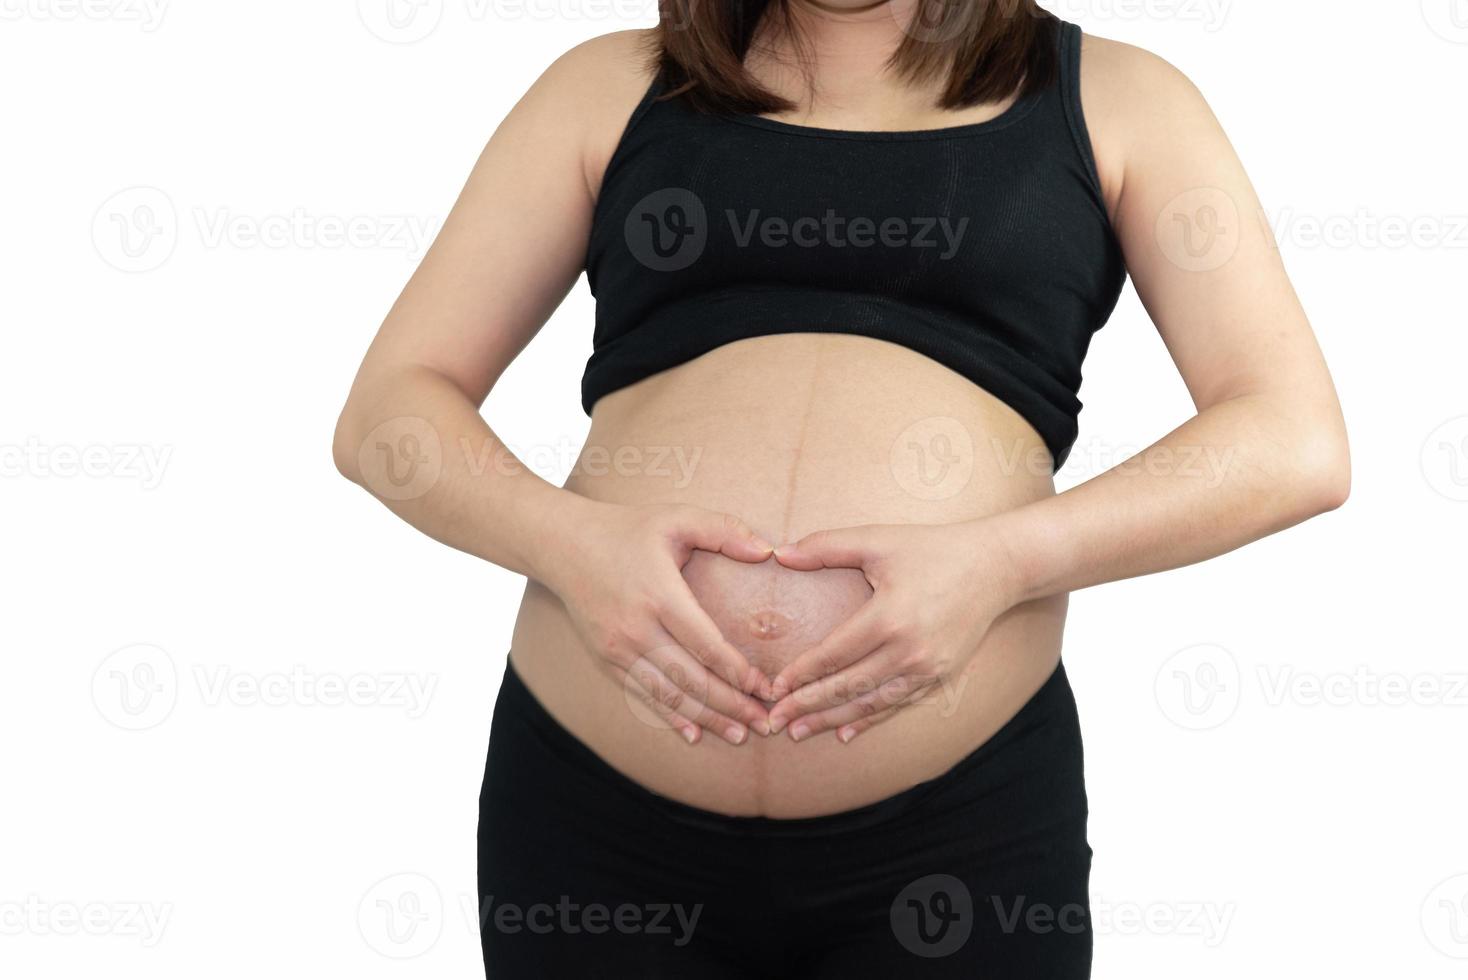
x=797 y=433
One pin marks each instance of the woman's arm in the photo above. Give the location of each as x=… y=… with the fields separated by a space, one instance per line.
x=1266 y=450
x=508 y=253
x=411 y=432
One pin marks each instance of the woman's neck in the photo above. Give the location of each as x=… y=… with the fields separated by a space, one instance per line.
x=839 y=57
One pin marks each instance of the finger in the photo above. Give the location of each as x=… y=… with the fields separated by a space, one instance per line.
x=664 y=698
x=866 y=710
x=847 y=547
x=846 y=733
x=725 y=534
x=862 y=677
x=853 y=639
x=693 y=629
x=730 y=713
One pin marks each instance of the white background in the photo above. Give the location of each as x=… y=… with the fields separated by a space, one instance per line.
x=181 y=320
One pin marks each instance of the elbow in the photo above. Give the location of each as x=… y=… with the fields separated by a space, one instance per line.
x=1324 y=474
x=1334 y=488
x=345 y=442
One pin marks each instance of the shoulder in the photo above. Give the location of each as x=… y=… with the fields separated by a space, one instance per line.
x=1125 y=82
x=606 y=75
x=605 y=70
x=590 y=92
x=1135 y=101
x=598 y=80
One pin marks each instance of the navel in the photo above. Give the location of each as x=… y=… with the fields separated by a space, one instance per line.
x=769 y=625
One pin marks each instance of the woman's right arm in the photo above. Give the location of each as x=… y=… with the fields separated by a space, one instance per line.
x=411 y=433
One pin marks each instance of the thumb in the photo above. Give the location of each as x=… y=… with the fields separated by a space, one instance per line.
x=727 y=535
x=846 y=547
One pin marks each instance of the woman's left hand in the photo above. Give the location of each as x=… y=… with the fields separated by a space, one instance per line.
x=936 y=591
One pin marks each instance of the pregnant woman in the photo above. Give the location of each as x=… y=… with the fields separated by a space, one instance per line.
x=784 y=696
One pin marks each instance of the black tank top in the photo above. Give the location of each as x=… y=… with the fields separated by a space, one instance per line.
x=985 y=247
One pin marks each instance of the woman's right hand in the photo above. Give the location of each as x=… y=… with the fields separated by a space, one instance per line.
x=619 y=574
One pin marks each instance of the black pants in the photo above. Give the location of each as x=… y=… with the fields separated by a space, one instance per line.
x=979 y=873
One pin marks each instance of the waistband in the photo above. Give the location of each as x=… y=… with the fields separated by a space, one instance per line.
x=1053 y=704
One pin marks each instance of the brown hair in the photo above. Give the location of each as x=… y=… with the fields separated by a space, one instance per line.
x=983 y=50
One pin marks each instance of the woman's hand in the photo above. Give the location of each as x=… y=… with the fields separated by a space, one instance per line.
x=620 y=577
x=936 y=592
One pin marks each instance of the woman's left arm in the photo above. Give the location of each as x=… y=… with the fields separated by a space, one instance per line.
x=1266 y=450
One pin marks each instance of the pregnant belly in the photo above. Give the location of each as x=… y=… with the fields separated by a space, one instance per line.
x=795 y=434
x=770 y=613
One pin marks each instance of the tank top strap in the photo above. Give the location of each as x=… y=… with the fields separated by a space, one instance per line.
x=1069 y=87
